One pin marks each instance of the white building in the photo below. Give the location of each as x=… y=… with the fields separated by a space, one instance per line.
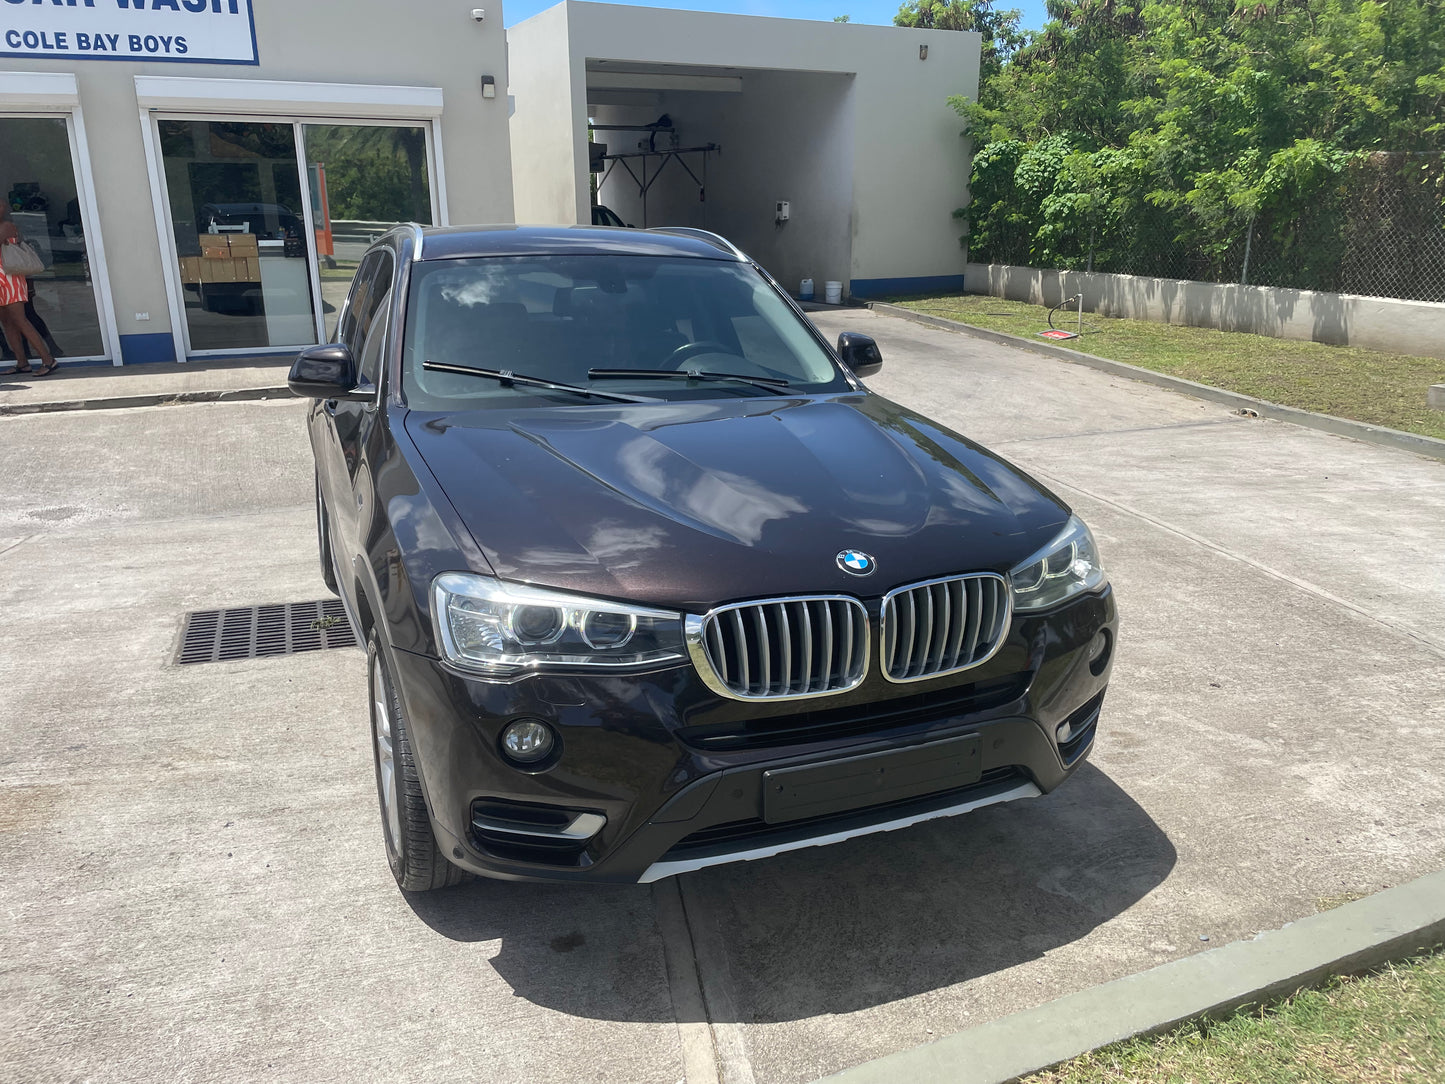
x=848 y=125
x=128 y=135
x=201 y=184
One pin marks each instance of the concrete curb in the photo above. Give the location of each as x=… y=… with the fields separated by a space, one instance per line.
x=1347 y=940
x=119 y=402
x=1328 y=423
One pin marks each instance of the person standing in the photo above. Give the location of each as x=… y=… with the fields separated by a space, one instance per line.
x=14 y=293
x=36 y=321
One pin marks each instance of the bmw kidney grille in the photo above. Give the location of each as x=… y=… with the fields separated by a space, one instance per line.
x=782 y=648
x=944 y=626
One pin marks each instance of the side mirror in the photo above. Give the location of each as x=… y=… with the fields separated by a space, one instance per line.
x=327 y=372
x=860 y=353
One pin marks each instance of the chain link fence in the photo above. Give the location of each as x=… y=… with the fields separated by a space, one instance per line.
x=1379 y=231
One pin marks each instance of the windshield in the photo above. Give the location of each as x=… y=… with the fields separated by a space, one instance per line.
x=557 y=317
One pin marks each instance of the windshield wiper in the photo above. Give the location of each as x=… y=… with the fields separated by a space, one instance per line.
x=767 y=383
x=506 y=377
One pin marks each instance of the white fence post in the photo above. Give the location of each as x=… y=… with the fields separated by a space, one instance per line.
x=1248 y=241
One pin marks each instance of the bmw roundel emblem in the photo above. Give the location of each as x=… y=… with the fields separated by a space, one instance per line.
x=856 y=562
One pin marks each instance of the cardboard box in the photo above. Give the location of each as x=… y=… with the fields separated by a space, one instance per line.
x=244 y=245
x=218 y=270
x=215 y=246
x=190 y=270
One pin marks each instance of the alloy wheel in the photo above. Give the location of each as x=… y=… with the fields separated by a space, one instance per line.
x=385 y=753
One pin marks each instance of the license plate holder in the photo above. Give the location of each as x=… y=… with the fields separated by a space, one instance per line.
x=816 y=790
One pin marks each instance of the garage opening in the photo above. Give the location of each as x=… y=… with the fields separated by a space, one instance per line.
x=762 y=156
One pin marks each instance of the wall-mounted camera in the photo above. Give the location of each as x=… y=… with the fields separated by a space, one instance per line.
x=478 y=14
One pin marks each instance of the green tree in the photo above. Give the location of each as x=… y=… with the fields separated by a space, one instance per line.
x=373 y=172
x=1190 y=120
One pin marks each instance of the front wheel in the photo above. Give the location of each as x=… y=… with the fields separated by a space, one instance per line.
x=411 y=848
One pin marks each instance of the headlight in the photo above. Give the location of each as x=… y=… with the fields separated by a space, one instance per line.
x=503 y=629
x=1067 y=566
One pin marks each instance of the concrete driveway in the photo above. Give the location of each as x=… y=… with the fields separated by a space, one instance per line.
x=194 y=882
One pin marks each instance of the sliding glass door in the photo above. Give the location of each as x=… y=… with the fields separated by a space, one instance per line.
x=270 y=220
x=38 y=183
x=365 y=179
x=237 y=217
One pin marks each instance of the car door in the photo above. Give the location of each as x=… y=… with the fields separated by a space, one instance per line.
x=338 y=421
x=353 y=422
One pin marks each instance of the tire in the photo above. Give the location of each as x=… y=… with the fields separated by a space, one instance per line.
x=323 y=542
x=411 y=848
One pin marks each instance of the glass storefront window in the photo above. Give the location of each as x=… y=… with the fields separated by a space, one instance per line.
x=239 y=225
x=364 y=179
x=38 y=183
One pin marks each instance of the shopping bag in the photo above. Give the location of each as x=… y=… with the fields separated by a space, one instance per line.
x=20 y=260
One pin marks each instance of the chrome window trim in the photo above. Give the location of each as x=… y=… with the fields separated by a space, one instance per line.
x=694 y=627
x=1005 y=622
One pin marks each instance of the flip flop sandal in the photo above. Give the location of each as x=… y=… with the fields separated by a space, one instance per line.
x=46 y=370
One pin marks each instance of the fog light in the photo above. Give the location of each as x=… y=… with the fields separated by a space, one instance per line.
x=528 y=740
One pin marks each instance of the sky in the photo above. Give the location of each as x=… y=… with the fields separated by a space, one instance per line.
x=861 y=11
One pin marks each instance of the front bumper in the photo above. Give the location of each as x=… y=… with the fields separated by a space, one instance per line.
x=680 y=775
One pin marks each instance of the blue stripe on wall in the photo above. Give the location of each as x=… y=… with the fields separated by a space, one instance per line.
x=924 y=284
x=264 y=356
x=147 y=349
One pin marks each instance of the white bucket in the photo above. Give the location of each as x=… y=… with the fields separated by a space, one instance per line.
x=805 y=290
x=833 y=293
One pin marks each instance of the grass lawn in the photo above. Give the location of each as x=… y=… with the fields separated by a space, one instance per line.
x=1347 y=381
x=1388 y=1026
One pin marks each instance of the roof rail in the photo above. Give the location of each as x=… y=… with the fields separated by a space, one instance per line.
x=417 y=236
x=711 y=238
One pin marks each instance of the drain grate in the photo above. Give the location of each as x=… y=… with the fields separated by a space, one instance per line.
x=258 y=632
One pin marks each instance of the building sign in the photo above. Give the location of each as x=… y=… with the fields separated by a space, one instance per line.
x=194 y=31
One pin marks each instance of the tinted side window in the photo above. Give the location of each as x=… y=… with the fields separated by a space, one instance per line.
x=346 y=330
x=371 y=351
x=373 y=279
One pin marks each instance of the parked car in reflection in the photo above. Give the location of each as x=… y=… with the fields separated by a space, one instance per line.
x=606 y=216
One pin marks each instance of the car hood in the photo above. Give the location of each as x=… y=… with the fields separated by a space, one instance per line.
x=695 y=503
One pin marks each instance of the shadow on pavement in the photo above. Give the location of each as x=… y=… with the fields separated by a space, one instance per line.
x=835 y=929
x=121 y=374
